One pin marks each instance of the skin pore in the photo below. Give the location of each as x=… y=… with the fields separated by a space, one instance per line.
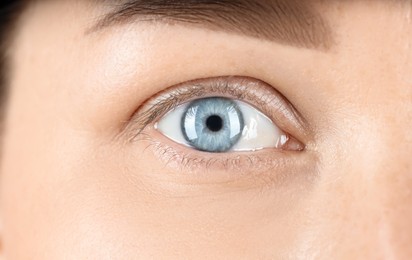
x=82 y=178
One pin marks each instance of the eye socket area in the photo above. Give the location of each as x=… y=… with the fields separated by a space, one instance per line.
x=220 y=125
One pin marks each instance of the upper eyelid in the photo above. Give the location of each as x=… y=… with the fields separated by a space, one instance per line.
x=236 y=87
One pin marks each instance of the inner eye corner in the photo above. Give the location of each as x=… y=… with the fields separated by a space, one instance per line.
x=294 y=144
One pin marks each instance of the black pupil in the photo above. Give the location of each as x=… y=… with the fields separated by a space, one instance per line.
x=214 y=123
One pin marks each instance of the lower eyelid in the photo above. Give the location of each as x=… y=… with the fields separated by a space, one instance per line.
x=184 y=172
x=183 y=159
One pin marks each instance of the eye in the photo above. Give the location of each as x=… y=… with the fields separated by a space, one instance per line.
x=220 y=124
x=229 y=123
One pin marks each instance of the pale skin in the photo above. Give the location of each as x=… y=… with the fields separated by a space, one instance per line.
x=73 y=186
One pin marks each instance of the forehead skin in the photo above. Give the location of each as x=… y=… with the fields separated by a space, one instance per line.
x=71 y=190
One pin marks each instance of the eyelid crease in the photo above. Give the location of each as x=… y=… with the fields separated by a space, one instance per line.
x=250 y=90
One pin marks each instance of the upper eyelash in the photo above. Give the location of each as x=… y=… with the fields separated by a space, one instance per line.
x=232 y=86
x=164 y=104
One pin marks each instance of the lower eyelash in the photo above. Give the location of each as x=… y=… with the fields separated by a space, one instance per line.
x=195 y=161
x=266 y=169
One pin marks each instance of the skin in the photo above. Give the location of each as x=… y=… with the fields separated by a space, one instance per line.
x=72 y=187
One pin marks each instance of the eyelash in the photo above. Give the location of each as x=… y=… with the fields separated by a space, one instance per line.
x=249 y=90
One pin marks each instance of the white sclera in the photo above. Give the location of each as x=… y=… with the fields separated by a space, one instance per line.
x=170 y=124
x=259 y=131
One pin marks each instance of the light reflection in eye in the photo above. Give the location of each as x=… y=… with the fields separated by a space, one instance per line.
x=191 y=132
x=250 y=131
x=220 y=125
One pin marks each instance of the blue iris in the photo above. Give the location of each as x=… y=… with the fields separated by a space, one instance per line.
x=212 y=124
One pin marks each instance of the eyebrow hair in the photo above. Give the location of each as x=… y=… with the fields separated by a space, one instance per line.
x=292 y=22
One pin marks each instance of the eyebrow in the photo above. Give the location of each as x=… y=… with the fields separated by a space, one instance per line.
x=290 y=22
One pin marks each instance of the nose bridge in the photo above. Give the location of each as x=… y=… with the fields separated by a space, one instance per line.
x=393 y=196
x=392 y=202
x=384 y=210
x=366 y=188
